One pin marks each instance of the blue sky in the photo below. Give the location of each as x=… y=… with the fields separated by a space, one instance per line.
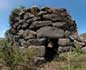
x=77 y=9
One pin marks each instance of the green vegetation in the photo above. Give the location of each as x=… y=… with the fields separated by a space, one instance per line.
x=73 y=61
x=12 y=57
x=15 y=58
x=2 y=41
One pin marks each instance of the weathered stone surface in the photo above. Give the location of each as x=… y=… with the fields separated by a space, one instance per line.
x=59 y=24
x=28 y=16
x=34 y=10
x=64 y=42
x=21 y=21
x=52 y=17
x=74 y=35
x=64 y=49
x=34 y=25
x=36 y=18
x=50 y=32
x=21 y=13
x=40 y=50
x=37 y=24
x=25 y=25
x=21 y=32
x=37 y=61
x=29 y=34
x=19 y=27
x=45 y=8
x=37 y=42
x=15 y=25
x=22 y=42
x=83 y=49
x=41 y=13
x=67 y=33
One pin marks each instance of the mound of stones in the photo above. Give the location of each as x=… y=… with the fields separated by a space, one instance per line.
x=30 y=27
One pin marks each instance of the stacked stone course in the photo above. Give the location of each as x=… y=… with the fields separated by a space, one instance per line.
x=30 y=26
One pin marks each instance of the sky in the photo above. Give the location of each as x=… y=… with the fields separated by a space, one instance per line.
x=76 y=8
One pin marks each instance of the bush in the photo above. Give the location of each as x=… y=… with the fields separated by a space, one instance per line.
x=13 y=56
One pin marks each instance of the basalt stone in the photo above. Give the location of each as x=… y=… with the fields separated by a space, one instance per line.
x=21 y=21
x=64 y=42
x=50 y=32
x=36 y=18
x=22 y=42
x=37 y=42
x=17 y=18
x=25 y=25
x=38 y=50
x=36 y=61
x=34 y=10
x=16 y=38
x=52 y=17
x=17 y=44
x=28 y=16
x=29 y=22
x=62 y=9
x=74 y=35
x=41 y=13
x=19 y=27
x=45 y=8
x=13 y=31
x=59 y=24
x=65 y=49
x=15 y=25
x=30 y=26
x=83 y=49
x=29 y=34
x=21 y=32
x=67 y=33
x=37 y=24
x=21 y=13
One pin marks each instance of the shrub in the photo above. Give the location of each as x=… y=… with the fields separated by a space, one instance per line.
x=13 y=57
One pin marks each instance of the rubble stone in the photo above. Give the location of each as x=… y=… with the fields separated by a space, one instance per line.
x=50 y=32
x=34 y=25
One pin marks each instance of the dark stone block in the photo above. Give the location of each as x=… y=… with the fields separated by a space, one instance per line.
x=50 y=32
x=37 y=24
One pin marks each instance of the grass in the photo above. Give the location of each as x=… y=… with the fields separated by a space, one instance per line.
x=68 y=61
x=13 y=58
x=77 y=61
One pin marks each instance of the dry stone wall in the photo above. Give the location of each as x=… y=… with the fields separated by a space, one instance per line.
x=30 y=26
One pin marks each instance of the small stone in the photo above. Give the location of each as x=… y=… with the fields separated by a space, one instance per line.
x=22 y=42
x=37 y=42
x=25 y=25
x=28 y=16
x=45 y=8
x=59 y=24
x=42 y=12
x=21 y=21
x=21 y=32
x=64 y=42
x=29 y=34
x=34 y=10
x=64 y=49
